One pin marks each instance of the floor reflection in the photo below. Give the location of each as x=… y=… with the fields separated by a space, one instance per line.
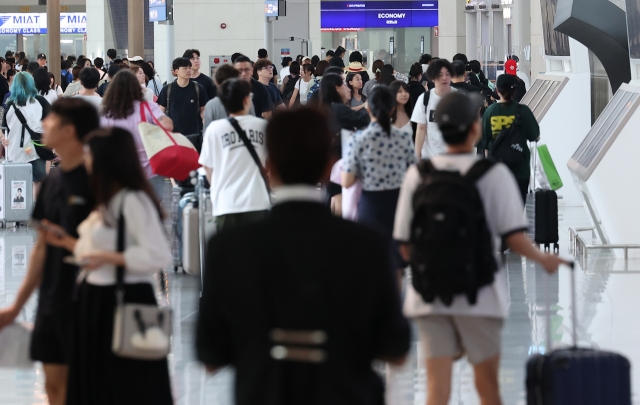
x=607 y=293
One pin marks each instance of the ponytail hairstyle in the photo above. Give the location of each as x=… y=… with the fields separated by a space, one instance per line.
x=387 y=75
x=415 y=73
x=381 y=104
x=507 y=87
x=376 y=68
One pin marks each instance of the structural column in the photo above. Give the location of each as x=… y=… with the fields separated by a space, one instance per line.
x=521 y=29
x=53 y=37
x=136 y=18
x=453 y=26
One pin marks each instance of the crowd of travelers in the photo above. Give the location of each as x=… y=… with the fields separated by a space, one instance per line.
x=350 y=208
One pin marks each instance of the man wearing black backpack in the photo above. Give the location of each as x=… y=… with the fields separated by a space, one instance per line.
x=451 y=214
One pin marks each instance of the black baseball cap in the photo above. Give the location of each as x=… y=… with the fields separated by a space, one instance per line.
x=457 y=112
x=42 y=56
x=506 y=81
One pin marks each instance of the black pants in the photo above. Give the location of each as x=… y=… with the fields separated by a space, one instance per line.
x=523 y=185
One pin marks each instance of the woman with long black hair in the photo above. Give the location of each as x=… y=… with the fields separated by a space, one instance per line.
x=96 y=375
x=334 y=94
x=416 y=88
x=401 y=116
x=379 y=156
x=388 y=75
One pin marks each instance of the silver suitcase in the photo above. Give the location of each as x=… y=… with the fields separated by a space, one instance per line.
x=16 y=192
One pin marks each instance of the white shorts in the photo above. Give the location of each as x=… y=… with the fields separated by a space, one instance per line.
x=480 y=338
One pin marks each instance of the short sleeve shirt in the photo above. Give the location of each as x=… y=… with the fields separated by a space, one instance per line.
x=65 y=199
x=207 y=84
x=500 y=116
x=433 y=144
x=380 y=161
x=503 y=209
x=260 y=97
x=184 y=107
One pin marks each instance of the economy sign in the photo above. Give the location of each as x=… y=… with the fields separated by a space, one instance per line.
x=36 y=23
x=347 y=16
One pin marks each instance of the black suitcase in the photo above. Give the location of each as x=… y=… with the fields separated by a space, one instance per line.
x=576 y=375
x=546 y=219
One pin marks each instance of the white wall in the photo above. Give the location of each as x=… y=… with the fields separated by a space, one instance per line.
x=197 y=25
x=569 y=120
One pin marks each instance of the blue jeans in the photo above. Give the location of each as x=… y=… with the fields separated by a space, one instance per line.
x=158 y=183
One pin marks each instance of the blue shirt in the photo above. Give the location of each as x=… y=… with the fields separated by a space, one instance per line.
x=380 y=161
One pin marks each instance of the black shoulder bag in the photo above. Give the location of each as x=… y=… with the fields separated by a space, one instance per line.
x=43 y=152
x=252 y=151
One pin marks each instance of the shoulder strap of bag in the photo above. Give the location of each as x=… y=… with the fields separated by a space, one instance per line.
x=120 y=249
x=23 y=121
x=197 y=95
x=155 y=87
x=425 y=168
x=426 y=98
x=168 y=97
x=252 y=151
x=479 y=169
x=103 y=75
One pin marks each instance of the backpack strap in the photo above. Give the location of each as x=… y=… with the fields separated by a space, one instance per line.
x=168 y=98
x=425 y=168
x=426 y=98
x=479 y=169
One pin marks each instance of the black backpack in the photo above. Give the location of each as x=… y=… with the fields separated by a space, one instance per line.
x=451 y=249
x=506 y=148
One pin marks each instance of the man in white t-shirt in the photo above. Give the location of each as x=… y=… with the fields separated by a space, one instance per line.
x=448 y=332
x=238 y=190
x=429 y=141
x=90 y=78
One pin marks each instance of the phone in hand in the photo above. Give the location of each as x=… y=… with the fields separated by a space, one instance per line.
x=72 y=260
x=39 y=225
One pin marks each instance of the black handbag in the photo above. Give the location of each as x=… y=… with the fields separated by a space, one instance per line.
x=507 y=148
x=43 y=152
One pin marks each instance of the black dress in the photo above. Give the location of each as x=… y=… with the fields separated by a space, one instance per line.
x=96 y=375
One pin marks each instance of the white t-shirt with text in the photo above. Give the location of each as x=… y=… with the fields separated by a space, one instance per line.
x=236 y=182
x=433 y=144
x=505 y=215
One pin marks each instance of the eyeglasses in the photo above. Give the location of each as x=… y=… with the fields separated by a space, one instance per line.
x=267 y=68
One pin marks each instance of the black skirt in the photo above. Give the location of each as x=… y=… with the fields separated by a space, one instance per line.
x=96 y=376
x=377 y=210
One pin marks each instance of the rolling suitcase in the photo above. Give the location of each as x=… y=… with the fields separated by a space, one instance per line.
x=546 y=219
x=542 y=213
x=16 y=191
x=576 y=375
x=191 y=238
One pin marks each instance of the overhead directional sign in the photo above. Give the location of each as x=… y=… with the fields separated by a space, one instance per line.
x=36 y=23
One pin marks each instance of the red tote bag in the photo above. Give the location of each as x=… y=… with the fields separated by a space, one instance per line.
x=170 y=154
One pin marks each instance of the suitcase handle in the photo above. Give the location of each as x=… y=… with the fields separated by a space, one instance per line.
x=574 y=312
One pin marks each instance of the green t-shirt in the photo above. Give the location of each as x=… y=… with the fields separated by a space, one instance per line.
x=501 y=115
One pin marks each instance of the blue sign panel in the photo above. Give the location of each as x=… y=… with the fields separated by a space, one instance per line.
x=157 y=14
x=336 y=16
x=271 y=8
x=157 y=10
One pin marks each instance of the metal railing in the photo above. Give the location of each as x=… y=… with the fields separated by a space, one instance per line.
x=580 y=248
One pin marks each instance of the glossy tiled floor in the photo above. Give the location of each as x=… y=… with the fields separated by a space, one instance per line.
x=607 y=303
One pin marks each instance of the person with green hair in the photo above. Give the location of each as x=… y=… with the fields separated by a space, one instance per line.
x=25 y=99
